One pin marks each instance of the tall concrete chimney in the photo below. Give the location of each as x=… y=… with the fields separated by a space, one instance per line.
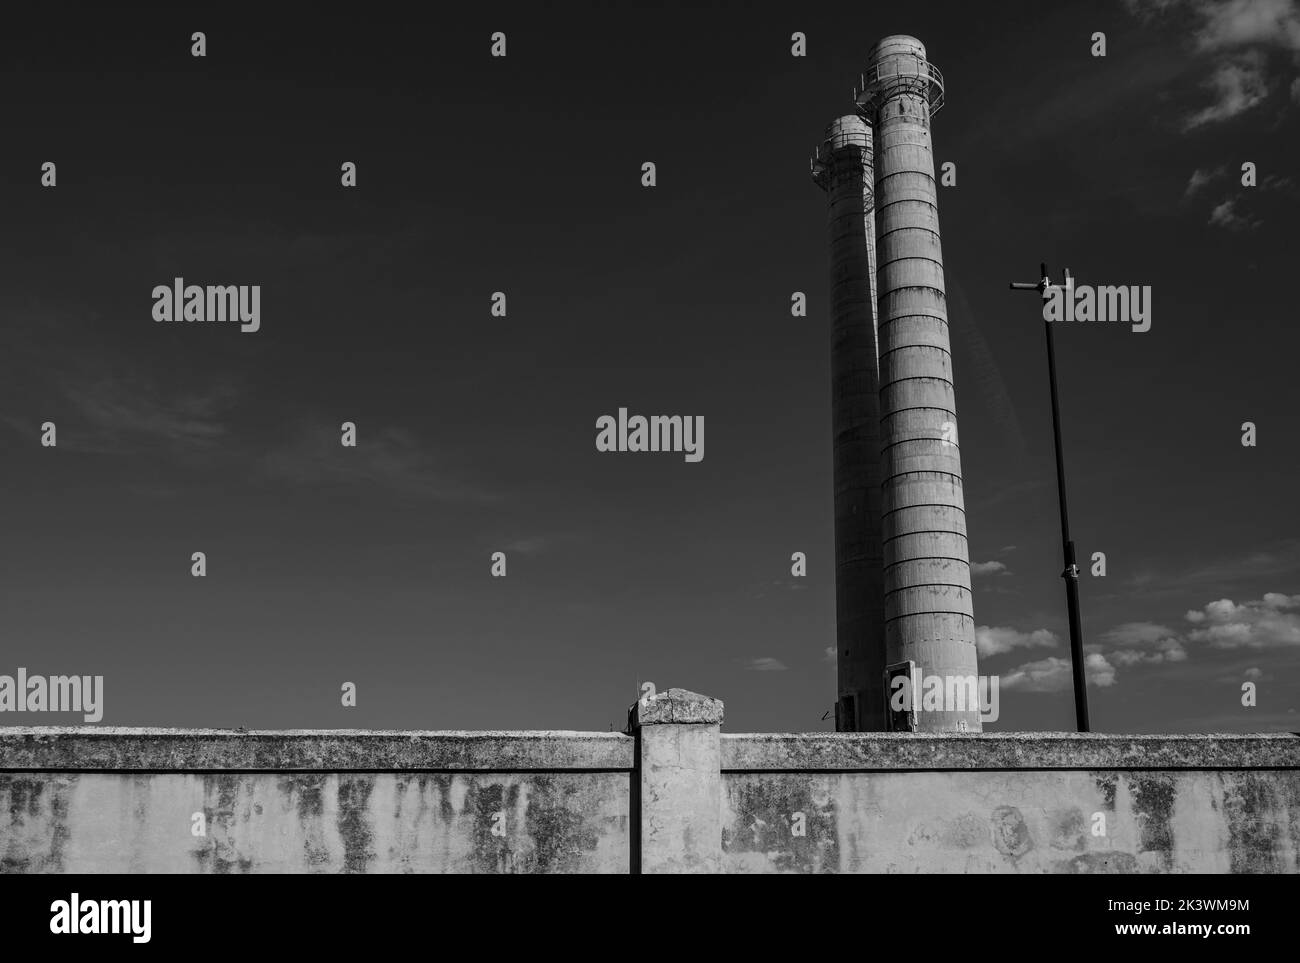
x=929 y=619
x=842 y=167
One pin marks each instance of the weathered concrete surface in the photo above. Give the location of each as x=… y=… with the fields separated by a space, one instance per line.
x=1010 y=803
x=91 y=799
x=929 y=618
x=88 y=748
x=675 y=706
x=827 y=751
x=675 y=796
x=843 y=168
x=680 y=782
x=315 y=822
x=1012 y=822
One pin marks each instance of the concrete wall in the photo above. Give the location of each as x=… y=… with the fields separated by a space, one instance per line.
x=1024 y=803
x=114 y=800
x=674 y=795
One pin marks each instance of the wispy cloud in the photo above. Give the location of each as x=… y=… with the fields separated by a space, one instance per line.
x=1134 y=643
x=117 y=415
x=1055 y=674
x=1280 y=560
x=988 y=568
x=1201 y=179
x=387 y=457
x=1279 y=182
x=765 y=664
x=1228 y=213
x=1270 y=622
x=995 y=640
x=528 y=546
x=1234 y=88
x=106 y=400
x=1239 y=38
x=1227 y=24
x=132 y=413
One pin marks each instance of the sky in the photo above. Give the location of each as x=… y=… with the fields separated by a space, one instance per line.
x=476 y=433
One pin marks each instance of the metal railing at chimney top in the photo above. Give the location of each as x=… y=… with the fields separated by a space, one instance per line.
x=820 y=168
x=925 y=79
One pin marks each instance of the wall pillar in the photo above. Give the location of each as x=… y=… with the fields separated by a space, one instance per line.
x=679 y=779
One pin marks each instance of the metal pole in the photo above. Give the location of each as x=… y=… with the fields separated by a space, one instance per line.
x=1071 y=572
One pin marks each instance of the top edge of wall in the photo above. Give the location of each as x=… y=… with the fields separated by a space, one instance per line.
x=884 y=752
x=95 y=749
x=98 y=749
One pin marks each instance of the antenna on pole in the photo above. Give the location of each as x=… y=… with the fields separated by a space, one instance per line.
x=1071 y=571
